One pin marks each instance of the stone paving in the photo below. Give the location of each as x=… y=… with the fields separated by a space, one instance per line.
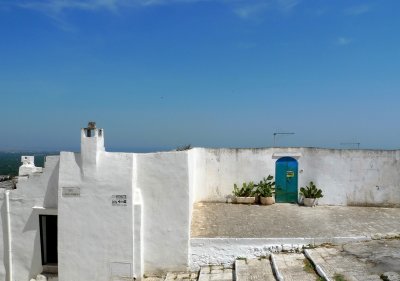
x=181 y=276
x=291 y=221
x=334 y=263
x=253 y=269
x=356 y=261
x=293 y=267
x=216 y=273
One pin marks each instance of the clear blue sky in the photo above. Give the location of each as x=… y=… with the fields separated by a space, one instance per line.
x=216 y=73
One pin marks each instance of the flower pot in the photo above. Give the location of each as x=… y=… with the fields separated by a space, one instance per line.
x=245 y=200
x=310 y=202
x=267 y=200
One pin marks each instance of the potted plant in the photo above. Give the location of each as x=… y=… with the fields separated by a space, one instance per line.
x=245 y=194
x=266 y=190
x=310 y=194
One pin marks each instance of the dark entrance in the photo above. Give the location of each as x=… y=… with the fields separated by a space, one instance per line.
x=286 y=179
x=48 y=239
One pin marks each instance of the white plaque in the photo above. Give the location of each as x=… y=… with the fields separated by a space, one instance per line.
x=71 y=192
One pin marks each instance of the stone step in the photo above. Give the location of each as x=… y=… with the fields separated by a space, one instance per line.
x=337 y=264
x=216 y=273
x=294 y=267
x=253 y=270
x=181 y=276
x=46 y=277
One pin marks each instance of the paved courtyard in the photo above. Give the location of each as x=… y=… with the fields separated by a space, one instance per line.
x=291 y=221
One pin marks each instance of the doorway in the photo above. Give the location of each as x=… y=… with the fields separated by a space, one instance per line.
x=286 y=180
x=48 y=239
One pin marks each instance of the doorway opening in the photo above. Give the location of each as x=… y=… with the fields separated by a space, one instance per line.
x=48 y=239
x=286 y=180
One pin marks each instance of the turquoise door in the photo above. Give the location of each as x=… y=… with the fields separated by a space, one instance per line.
x=286 y=178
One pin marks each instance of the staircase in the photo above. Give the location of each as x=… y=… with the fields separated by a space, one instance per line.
x=319 y=264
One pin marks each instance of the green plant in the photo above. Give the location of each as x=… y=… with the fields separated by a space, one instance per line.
x=308 y=266
x=339 y=277
x=247 y=190
x=311 y=191
x=184 y=147
x=266 y=187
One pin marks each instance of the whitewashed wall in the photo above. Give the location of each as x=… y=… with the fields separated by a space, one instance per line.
x=353 y=177
x=347 y=177
x=163 y=179
x=3 y=236
x=95 y=238
x=35 y=195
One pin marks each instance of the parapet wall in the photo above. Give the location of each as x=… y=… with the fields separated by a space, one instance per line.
x=347 y=177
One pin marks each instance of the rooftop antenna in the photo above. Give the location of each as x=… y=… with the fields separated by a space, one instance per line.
x=351 y=143
x=280 y=133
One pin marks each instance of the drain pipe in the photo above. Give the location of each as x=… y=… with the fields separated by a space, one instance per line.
x=10 y=267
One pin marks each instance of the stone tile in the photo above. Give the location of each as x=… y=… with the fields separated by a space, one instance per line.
x=215 y=273
x=322 y=222
x=364 y=261
x=253 y=270
x=291 y=266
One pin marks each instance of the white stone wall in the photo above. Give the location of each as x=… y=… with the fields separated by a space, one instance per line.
x=35 y=195
x=163 y=179
x=353 y=177
x=95 y=238
x=3 y=236
x=347 y=177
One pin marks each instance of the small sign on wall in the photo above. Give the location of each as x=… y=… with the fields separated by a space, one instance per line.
x=289 y=174
x=119 y=200
x=71 y=192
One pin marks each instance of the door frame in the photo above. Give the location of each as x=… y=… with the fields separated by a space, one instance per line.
x=43 y=238
x=296 y=176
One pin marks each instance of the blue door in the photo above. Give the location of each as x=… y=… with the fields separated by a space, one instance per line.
x=286 y=179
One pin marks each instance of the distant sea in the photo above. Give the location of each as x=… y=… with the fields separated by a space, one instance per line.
x=11 y=161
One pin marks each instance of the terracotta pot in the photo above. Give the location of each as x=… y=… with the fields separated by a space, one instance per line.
x=245 y=200
x=267 y=200
x=310 y=202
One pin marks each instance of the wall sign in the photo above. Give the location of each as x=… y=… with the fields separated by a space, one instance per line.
x=289 y=174
x=119 y=200
x=71 y=192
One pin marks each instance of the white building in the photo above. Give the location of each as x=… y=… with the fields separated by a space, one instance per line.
x=99 y=215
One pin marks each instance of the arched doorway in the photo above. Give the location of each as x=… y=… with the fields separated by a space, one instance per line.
x=286 y=180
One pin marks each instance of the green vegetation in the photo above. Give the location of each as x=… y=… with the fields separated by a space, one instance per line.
x=338 y=277
x=10 y=161
x=266 y=187
x=308 y=266
x=311 y=191
x=184 y=147
x=247 y=190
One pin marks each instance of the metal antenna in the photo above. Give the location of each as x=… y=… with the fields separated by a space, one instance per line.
x=351 y=143
x=280 y=133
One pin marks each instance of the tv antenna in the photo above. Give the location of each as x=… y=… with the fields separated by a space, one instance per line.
x=280 y=133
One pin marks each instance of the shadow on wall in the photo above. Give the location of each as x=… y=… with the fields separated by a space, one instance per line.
x=51 y=196
x=3 y=272
x=32 y=224
x=78 y=161
x=36 y=264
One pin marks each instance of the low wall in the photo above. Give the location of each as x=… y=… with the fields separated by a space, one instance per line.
x=347 y=177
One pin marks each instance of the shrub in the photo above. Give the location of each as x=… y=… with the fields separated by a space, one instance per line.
x=247 y=190
x=311 y=191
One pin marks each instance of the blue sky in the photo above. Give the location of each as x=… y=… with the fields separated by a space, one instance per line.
x=216 y=73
